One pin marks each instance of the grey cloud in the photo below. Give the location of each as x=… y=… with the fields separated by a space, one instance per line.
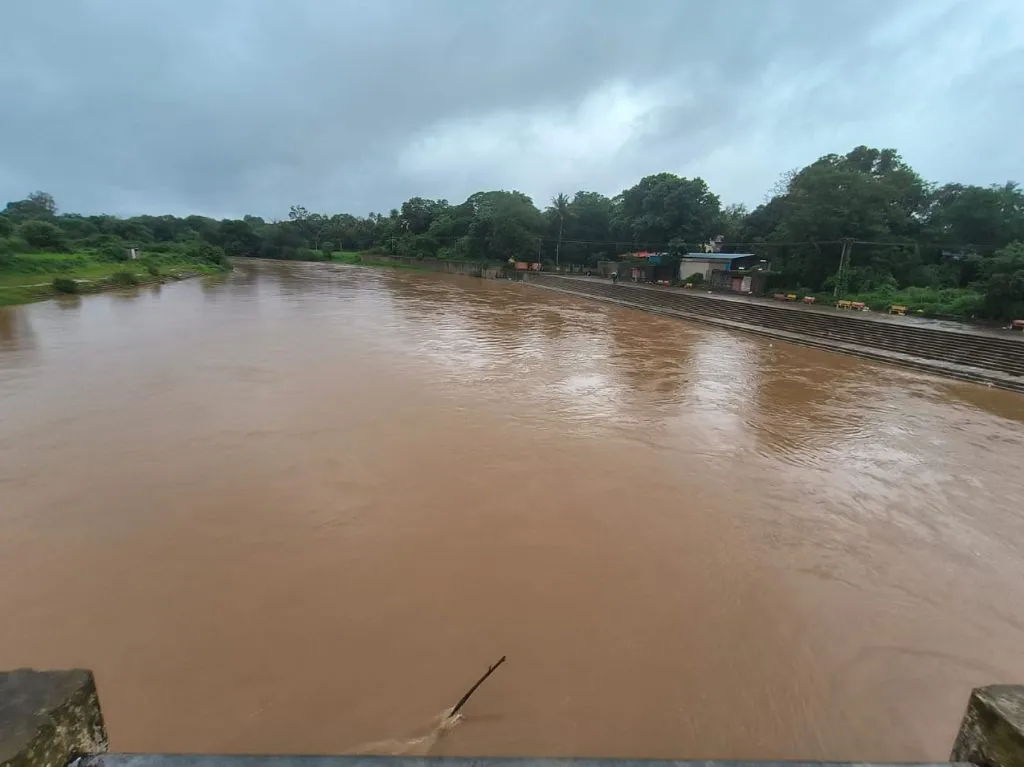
x=250 y=105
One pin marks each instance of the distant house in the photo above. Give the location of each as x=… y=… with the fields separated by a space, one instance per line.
x=641 y=266
x=703 y=264
x=714 y=245
x=744 y=273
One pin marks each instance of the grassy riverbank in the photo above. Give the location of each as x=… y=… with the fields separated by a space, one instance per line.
x=27 y=277
x=368 y=259
x=952 y=303
x=353 y=258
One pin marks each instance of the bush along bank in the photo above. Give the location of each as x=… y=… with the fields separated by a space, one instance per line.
x=28 y=276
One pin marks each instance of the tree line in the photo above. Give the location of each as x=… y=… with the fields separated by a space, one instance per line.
x=866 y=211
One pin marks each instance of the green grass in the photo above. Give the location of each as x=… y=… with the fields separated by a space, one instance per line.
x=31 y=268
x=928 y=302
x=27 y=277
x=25 y=294
x=362 y=259
x=960 y=303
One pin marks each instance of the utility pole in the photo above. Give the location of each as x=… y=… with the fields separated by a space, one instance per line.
x=844 y=263
x=558 y=245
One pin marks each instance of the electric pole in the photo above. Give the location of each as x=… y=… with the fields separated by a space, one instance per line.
x=558 y=245
x=844 y=263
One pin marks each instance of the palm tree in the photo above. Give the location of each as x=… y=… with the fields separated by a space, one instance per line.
x=560 y=207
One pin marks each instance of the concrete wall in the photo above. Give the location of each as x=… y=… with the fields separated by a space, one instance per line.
x=987 y=358
x=992 y=731
x=690 y=268
x=49 y=717
x=53 y=719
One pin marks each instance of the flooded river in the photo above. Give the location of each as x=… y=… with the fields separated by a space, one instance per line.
x=302 y=508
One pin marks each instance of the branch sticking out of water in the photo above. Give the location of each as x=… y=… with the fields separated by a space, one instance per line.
x=471 y=690
x=423 y=744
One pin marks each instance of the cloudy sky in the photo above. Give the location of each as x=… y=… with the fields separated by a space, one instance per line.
x=226 y=107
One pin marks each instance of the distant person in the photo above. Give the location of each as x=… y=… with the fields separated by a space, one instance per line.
x=615 y=277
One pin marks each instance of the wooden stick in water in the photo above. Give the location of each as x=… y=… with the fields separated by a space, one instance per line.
x=471 y=690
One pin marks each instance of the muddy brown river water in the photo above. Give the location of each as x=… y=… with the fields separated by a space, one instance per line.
x=301 y=508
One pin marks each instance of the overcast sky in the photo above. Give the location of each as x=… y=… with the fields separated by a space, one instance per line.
x=226 y=107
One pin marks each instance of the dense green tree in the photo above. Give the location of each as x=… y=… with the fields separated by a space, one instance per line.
x=76 y=227
x=976 y=218
x=338 y=233
x=895 y=229
x=587 y=231
x=36 y=205
x=901 y=230
x=282 y=240
x=130 y=230
x=417 y=214
x=44 y=202
x=559 y=211
x=869 y=195
x=203 y=227
x=504 y=225
x=663 y=208
x=1004 y=282
x=237 y=238
x=731 y=224
x=169 y=228
x=312 y=227
x=43 y=235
